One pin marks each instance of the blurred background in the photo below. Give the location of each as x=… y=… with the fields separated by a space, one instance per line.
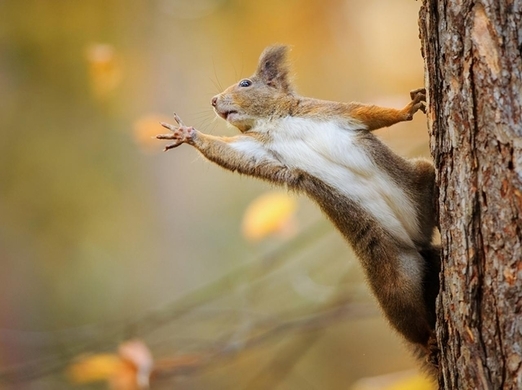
x=220 y=281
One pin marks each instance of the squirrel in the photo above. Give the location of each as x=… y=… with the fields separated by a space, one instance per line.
x=381 y=203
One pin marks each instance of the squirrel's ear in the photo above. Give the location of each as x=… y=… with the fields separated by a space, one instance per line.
x=273 y=67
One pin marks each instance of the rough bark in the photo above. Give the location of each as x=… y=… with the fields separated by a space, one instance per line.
x=472 y=52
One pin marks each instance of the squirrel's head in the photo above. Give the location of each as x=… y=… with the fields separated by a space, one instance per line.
x=265 y=95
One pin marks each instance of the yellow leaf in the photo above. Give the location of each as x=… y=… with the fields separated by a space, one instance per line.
x=414 y=382
x=95 y=368
x=405 y=380
x=269 y=213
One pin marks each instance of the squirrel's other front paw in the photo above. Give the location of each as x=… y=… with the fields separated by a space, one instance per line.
x=419 y=93
x=418 y=99
x=180 y=133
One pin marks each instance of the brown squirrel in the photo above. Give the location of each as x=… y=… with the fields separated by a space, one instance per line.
x=382 y=203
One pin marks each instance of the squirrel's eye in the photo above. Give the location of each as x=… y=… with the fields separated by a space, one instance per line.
x=245 y=83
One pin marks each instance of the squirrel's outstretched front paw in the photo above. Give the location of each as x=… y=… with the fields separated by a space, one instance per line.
x=180 y=133
x=418 y=99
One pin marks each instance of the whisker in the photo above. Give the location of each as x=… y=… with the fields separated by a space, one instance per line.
x=216 y=85
x=213 y=125
x=216 y=76
x=203 y=115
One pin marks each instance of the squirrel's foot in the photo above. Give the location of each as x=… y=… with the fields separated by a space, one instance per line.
x=433 y=352
x=418 y=99
x=180 y=133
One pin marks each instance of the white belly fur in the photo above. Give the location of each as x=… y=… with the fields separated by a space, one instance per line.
x=329 y=152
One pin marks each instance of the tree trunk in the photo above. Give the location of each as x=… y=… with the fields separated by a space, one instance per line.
x=472 y=52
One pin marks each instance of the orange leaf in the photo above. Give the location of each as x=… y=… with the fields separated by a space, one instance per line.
x=145 y=130
x=104 y=68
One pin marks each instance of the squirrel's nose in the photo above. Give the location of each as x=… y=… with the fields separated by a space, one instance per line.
x=214 y=101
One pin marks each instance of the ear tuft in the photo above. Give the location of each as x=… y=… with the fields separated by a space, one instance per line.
x=273 y=67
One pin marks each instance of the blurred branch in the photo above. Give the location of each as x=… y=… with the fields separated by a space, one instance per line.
x=262 y=333
x=73 y=342
x=191 y=363
x=211 y=291
x=285 y=360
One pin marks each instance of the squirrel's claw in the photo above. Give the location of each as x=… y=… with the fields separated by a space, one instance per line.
x=180 y=133
x=178 y=120
x=166 y=136
x=171 y=146
x=173 y=136
x=418 y=99
x=418 y=92
x=169 y=126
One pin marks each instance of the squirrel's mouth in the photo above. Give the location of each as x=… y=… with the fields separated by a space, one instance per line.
x=226 y=114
